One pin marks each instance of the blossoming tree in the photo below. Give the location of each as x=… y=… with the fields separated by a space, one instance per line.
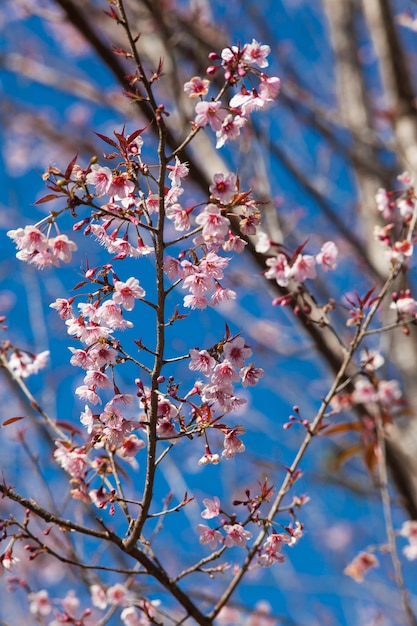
x=130 y=492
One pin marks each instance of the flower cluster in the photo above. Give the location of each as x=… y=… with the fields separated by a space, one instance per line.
x=40 y=250
x=237 y=62
x=284 y=267
x=398 y=209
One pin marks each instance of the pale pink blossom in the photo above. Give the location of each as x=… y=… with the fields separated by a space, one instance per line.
x=63 y=307
x=172 y=268
x=62 y=248
x=213 y=265
x=125 y=293
x=250 y=375
x=212 y=508
x=72 y=460
x=232 y=444
x=269 y=88
x=215 y=225
x=222 y=295
x=209 y=458
x=247 y=101
x=224 y=373
x=236 y=535
x=230 y=129
x=121 y=186
x=117 y=594
x=389 y=392
x=406 y=207
x=29 y=239
x=85 y=393
x=255 y=54
x=201 y=361
x=209 y=536
x=198 y=284
x=98 y=597
x=87 y=419
x=180 y=217
x=101 y=178
x=236 y=351
x=303 y=268
x=8 y=560
x=234 y=244
x=224 y=187
x=279 y=269
x=364 y=391
x=409 y=530
x=97 y=378
x=195 y=302
x=327 y=257
x=39 y=603
x=130 y=617
x=196 y=87
x=405 y=304
x=210 y=113
x=177 y=172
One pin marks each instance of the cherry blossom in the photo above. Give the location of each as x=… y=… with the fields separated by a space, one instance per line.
x=196 y=87
x=327 y=257
x=177 y=172
x=125 y=293
x=224 y=187
x=303 y=268
x=39 y=603
x=212 y=508
x=210 y=113
x=101 y=178
x=256 y=53
x=236 y=535
x=209 y=536
x=236 y=351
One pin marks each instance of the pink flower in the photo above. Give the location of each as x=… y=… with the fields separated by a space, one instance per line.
x=98 y=596
x=121 y=186
x=236 y=535
x=223 y=295
x=212 y=508
x=177 y=172
x=234 y=244
x=363 y=392
x=130 y=617
x=209 y=458
x=30 y=239
x=209 y=113
x=279 y=269
x=180 y=217
x=232 y=444
x=269 y=88
x=63 y=307
x=389 y=392
x=250 y=375
x=72 y=461
x=224 y=373
x=62 y=248
x=327 y=257
x=236 y=351
x=101 y=178
x=215 y=225
x=196 y=87
x=117 y=594
x=224 y=187
x=126 y=293
x=230 y=129
x=87 y=419
x=201 y=361
x=213 y=265
x=303 y=268
x=255 y=54
x=195 y=302
x=409 y=530
x=198 y=283
x=247 y=101
x=39 y=603
x=209 y=536
x=96 y=378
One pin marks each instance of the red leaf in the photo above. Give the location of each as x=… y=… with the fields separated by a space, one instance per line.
x=12 y=420
x=69 y=167
x=70 y=427
x=107 y=140
x=47 y=198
